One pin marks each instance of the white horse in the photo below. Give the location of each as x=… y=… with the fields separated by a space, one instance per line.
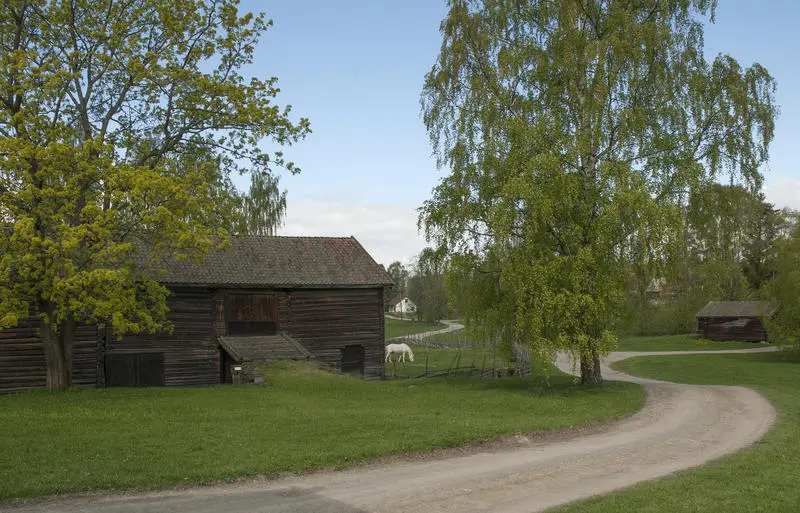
x=401 y=349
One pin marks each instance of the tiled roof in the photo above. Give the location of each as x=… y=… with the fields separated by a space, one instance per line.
x=272 y=261
x=263 y=348
x=735 y=309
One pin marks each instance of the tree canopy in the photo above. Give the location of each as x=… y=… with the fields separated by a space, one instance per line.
x=121 y=124
x=426 y=286
x=575 y=132
x=783 y=292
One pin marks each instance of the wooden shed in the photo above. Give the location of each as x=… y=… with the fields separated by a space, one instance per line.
x=264 y=298
x=734 y=320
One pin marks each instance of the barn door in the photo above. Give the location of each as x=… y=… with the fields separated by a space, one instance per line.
x=120 y=370
x=251 y=314
x=150 y=369
x=353 y=361
x=135 y=370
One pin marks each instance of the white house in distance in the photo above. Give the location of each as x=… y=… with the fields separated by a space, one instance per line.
x=403 y=305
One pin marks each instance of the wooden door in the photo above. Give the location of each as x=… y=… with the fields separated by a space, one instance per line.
x=353 y=361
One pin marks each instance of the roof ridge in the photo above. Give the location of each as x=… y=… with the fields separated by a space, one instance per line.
x=253 y=236
x=281 y=261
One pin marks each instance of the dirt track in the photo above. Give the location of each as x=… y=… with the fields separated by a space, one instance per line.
x=681 y=426
x=449 y=326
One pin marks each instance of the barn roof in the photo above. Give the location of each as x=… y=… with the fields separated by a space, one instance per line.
x=735 y=309
x=273 y=261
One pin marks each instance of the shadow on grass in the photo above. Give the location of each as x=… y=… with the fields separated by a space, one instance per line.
x=285 y=500
x=540 y=386
x=786 y=354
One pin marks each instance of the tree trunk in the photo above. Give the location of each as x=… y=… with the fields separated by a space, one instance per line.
x=57 y=345
x=590 y=370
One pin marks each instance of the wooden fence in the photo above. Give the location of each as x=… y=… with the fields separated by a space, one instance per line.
x=462 y=363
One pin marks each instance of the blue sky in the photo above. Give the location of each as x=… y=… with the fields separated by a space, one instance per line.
x=355 y=68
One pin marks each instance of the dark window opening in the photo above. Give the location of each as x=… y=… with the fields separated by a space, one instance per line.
x=251 y=314
x=252 y=328
x=135 y=370
x=353 y=361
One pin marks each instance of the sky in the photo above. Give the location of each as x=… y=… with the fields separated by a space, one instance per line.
x=355 y=68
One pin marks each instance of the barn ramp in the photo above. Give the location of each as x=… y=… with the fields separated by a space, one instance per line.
x=263 y=348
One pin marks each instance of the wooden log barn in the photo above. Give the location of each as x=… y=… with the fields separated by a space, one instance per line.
x=265 y=298
x=734 y=320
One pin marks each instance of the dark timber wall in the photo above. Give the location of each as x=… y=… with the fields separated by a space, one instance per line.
x=22 y=363
x=330 y=323
x=326 y=321
x=190 y=352
x=745 y=329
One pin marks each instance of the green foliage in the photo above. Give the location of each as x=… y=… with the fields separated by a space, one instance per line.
x=262 y=209
x=766 y=227
x=118 y=438
x=399 y=275
x=784 y=293
x=427 y=288
x=574 y=132
x=120 y=126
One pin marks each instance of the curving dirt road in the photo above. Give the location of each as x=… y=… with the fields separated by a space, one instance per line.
x=449 y=326
x=681 y=426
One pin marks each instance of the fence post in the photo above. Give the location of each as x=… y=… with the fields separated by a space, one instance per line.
x=450 y=368
x=427 y=355
x=483 y=367
x=494 y=354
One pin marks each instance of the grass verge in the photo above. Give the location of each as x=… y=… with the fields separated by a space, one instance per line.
x=762 y=478
x=304 y=419
x=678 y=343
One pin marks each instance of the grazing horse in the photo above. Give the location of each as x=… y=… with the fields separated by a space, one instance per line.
x=401 y=349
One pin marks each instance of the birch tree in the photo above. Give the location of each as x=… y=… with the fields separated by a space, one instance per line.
x=573 y=130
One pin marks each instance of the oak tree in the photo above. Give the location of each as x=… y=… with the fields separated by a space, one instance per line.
x=121 y=125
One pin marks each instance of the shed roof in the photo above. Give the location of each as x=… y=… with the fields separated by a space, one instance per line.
x=262 y=348
x=273 y=261
x=735 y=309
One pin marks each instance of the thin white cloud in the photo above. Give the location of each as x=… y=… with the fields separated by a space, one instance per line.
x=388 y=232
x=783 y=192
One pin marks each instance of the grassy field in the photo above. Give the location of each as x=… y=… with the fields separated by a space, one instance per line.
x=468 y=336
x=434 y=360
x=304 y=419
x=678 y=343
x=396 y=328
x=763 y=478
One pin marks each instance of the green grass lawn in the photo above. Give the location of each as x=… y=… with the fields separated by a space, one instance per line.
x=304 y=419
x=678 y=343
x=762 y=478
x=396 y=328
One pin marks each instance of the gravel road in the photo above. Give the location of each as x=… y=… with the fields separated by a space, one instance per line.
x=680 y=426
